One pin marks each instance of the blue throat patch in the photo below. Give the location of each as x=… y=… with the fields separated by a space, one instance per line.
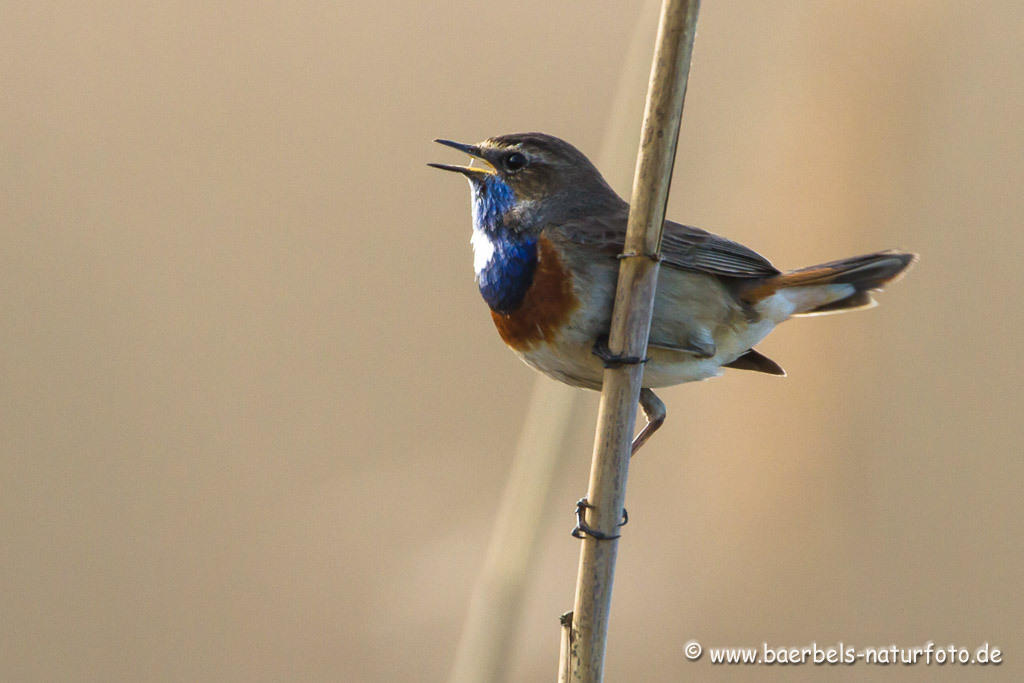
x=507 y=277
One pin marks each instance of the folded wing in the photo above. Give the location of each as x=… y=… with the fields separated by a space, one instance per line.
x=683 y=246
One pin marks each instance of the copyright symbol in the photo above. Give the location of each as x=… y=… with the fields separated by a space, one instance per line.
x=692 y=650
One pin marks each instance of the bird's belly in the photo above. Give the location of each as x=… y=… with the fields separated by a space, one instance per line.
x=572 y=364
x=576 y=365
x=568 y=356
x=568 y=308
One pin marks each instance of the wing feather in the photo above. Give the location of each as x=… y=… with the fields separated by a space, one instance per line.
x=683 y=247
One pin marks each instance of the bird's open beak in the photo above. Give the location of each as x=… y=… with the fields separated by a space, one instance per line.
x=468 y=171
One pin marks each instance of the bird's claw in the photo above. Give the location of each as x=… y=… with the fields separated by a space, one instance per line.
x=614 y=360
x=582 y=528
x=657 y=258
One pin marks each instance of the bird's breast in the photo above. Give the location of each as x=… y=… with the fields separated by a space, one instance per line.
x=547 y=305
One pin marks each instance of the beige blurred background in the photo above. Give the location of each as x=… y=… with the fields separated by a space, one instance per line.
x=255 y=416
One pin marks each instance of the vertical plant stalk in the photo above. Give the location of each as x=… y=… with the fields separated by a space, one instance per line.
x=563 y=650
x=493 y=614
x=630 y=327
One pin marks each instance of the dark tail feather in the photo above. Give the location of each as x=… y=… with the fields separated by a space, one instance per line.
x=758 y=362
x=850 y=303
x=866 y=273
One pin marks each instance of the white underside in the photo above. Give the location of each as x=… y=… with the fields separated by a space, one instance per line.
x=787 y=302
x=571 y=360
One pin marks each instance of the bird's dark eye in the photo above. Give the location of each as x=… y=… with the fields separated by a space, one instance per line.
x=514 y=162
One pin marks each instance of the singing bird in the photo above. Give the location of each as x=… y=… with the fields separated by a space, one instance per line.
x=547 y=231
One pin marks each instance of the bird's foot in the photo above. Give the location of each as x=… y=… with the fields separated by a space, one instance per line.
x=614 y=360
x=657 y=258
x=582 y=528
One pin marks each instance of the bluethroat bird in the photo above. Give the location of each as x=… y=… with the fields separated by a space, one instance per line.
x=547 y=230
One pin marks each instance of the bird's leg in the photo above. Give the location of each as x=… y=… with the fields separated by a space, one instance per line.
x=613 y=360
x=654 y=410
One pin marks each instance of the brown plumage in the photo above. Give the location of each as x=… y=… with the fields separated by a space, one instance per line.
x=715 y=299
x=548 y=304
x=866 y=273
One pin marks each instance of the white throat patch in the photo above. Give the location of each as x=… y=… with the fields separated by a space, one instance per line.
x=483 y=250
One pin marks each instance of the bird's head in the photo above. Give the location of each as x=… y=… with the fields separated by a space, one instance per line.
x=527 y=180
